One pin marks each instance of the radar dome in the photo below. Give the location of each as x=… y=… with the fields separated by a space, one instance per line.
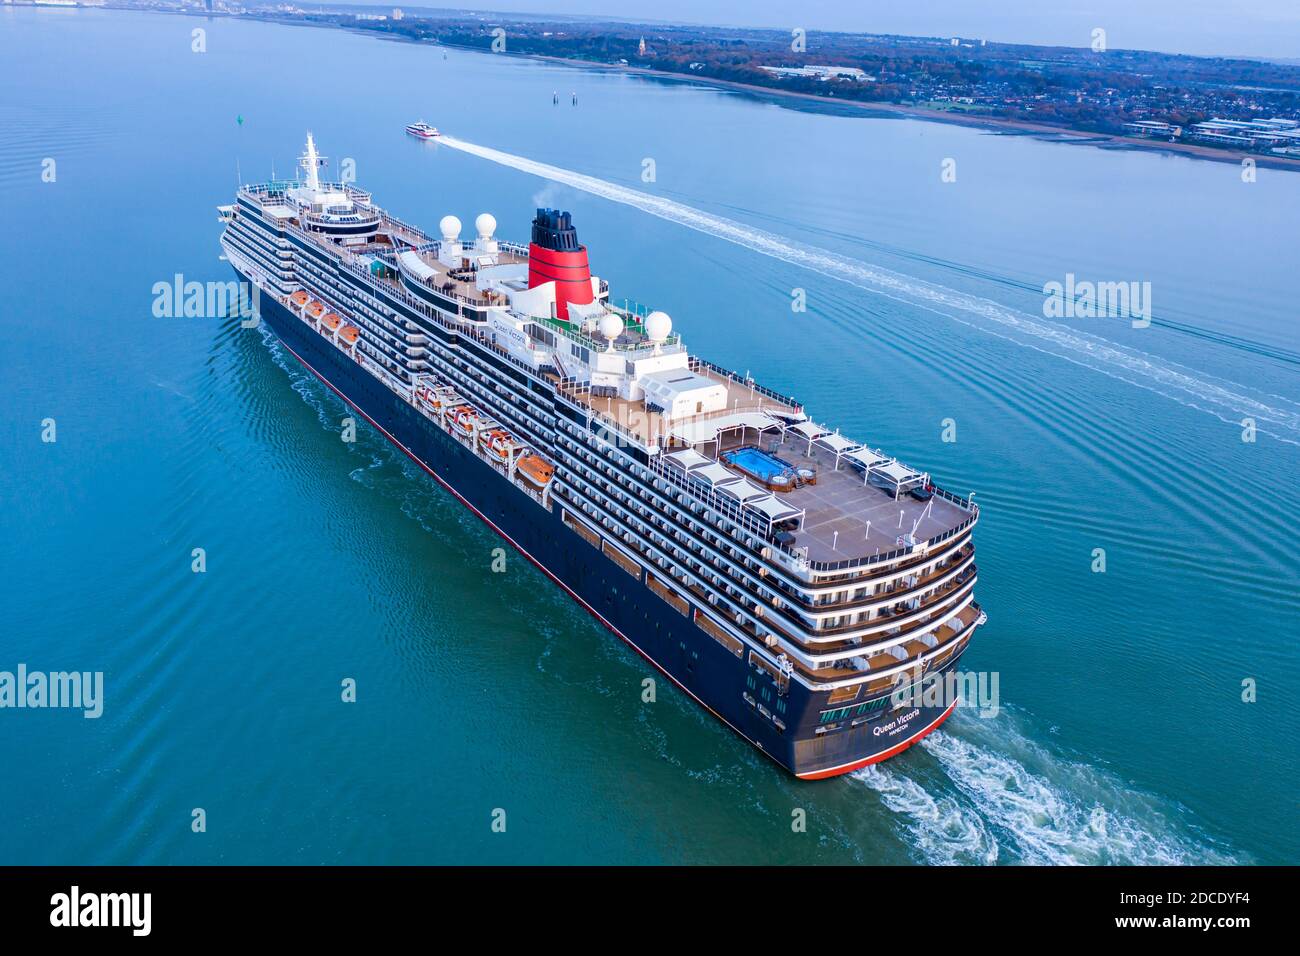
x=450 y=227
x=486 y=224
x=611 y=327
x=657 y=326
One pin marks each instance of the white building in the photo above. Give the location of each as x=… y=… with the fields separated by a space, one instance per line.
x=822 y=73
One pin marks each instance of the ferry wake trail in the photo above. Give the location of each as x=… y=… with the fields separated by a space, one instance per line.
x=1228 y=401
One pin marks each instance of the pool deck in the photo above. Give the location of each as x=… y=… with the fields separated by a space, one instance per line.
x=742 y=459
x=841 y=502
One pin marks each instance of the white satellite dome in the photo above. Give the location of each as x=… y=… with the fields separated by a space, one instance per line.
x=658 y=326
x=450 y=227
x=610 y=327
x=486 y=224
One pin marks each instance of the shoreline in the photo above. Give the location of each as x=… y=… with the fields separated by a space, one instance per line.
x=1063 y=134
x=993 y=123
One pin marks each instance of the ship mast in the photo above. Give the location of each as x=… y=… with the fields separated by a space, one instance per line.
x=311 y=163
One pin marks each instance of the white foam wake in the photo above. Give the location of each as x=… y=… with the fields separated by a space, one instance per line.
x=943 y=830
x=1226 y=400
x=1015 y=803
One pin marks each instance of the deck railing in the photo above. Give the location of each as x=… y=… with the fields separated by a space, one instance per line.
x=697 y=363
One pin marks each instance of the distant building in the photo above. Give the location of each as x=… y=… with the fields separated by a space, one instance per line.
x=397 y=13
x=1276 y=134
x=1154 y=129
x=822 y=73
x=640 y=48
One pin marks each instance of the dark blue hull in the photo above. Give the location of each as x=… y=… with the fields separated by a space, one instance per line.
x=744 y=697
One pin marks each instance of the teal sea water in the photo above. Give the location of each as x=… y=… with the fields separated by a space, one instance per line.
x=1123 y=735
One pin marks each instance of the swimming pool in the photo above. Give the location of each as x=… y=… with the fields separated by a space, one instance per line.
x=766 y=467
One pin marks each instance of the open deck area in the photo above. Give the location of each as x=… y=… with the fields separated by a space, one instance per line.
x=845 y=516
x=461 y=281
x=841 y=505
x=819 y=499
x=652 y=428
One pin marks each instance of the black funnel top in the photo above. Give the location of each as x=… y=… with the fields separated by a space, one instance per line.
x=553 y=229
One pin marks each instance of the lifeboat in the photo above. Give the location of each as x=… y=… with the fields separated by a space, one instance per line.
x=498 y=442
x=331 y=321
x=299 y=298
x=349 y=334
x=536 y=470
x=429 y=397
x=315 y=309
x=463 y=418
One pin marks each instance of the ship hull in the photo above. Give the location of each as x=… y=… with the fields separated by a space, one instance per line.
x=706 y=670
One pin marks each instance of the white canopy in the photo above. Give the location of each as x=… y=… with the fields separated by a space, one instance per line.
x=895 y=474
x=809 y=430
x=895 y=471
x=837 y=443
x=865 y=457
x=687 y=459
x=412 y=263
x=707 y=430
x=742 y=490
x=773 y=509
x=715 y=475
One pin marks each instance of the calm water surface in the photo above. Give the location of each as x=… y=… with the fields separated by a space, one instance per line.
x=1123 y=737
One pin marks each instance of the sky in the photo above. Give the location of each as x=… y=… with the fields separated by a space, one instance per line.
x=1259 y=28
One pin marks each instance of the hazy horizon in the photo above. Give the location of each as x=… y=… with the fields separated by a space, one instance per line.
x=1262 y=28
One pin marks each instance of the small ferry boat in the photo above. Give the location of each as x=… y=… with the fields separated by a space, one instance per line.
x=423 y=130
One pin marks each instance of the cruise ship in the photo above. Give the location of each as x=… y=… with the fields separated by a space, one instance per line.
x=794 y=581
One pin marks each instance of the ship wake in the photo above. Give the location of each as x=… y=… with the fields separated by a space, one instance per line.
x=1226 y=400
x=1008 y=800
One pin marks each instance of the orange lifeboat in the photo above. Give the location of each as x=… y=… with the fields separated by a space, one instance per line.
x=536 y=470
x=429 y=397
x=299 y=298
x=462 y=416
x=331 y=321
x=349 y=334
x=315 y=309
x=498 y=442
